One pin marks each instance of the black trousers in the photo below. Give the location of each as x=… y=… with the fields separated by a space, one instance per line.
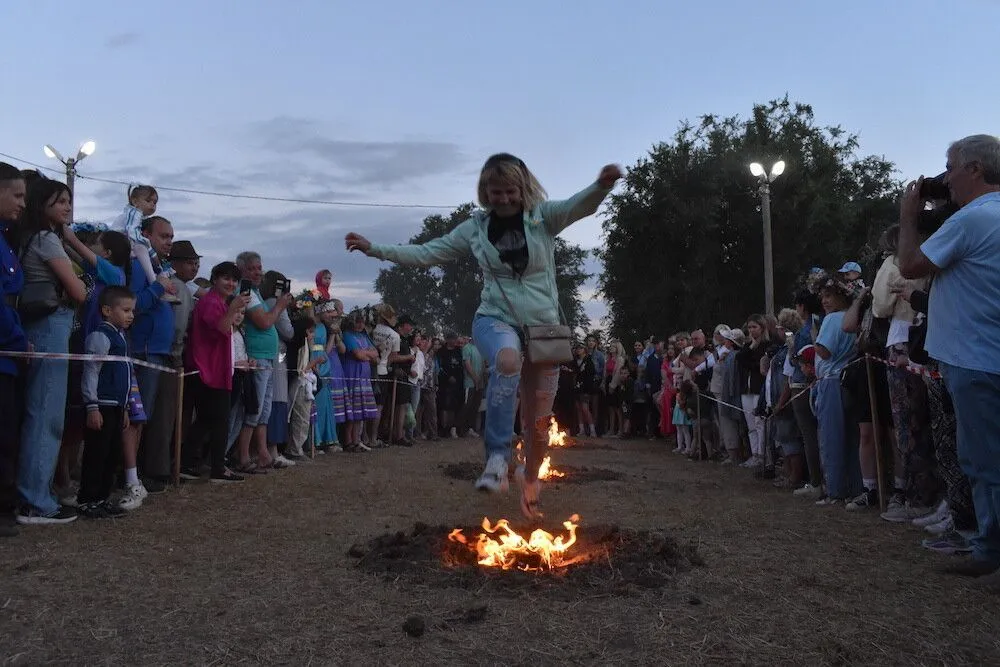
x=10 y=440
x=102 y=452
x=211 y=421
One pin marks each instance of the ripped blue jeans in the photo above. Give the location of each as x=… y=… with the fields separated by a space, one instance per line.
x=537 y=386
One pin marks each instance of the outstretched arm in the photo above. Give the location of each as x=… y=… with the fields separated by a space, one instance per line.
x=559 y=215
x=447 y=248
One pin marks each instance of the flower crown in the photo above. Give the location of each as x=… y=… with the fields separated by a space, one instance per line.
x=307 y=299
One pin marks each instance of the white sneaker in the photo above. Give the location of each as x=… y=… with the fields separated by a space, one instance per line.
x=362 y=447
x=808 y=490
x=132 y=500
x=494 y=477
x=937 y=516
x=902 y=512
x=453 y=432
x=281 y=459
x=941 y=527
x=529 y=494
x=142 y=490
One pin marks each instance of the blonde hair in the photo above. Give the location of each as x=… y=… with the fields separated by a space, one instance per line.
x=506 y=169
x=789 y=320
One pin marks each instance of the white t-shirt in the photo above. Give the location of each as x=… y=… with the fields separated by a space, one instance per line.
x=386 y=341
x=419 y=365
x=899 y=332
x=239 y=348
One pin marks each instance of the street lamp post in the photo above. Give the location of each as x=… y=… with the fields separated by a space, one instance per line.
x=87 y=148
x=765 y=179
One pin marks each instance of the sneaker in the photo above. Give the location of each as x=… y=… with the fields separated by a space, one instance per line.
x=335 y=449
x=101 y=510
x=937 y=516
x=190 y=474
x=902 y=512
x=529 y=494
x=453 y=433
x=132 y=498
x=829 y=502
x=35 y=518
x=951 y=542
x=471 y=433
x=285 y=460
x=941 y=527
x=362 y=447
x=69 y=501
x=227 y=477
x=494 y=477
x=866 y=500
x=808 y=490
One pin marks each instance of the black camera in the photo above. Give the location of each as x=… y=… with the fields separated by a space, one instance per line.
x=931 y=219
x=280 y=287
x=935 y=188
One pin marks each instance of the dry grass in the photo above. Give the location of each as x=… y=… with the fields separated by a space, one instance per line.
x=260 y=574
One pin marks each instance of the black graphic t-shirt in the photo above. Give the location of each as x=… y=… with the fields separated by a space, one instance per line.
x=507 y=236
x=452 y=370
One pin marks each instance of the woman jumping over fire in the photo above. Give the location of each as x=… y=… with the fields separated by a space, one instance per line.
x=512 y=238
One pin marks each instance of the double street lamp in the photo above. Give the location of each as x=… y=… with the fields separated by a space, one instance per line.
x=87 y=148
x=765 y=179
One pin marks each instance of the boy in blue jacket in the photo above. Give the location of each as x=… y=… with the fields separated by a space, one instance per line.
x=105 y=388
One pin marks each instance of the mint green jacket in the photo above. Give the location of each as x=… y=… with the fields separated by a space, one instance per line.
x=534 y=294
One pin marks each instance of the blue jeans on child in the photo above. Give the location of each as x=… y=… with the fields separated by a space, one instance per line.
x=44 y=410
x=976 y=397
x=838 y=442
x=537 y=386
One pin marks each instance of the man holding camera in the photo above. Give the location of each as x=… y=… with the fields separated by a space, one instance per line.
x=963 y=256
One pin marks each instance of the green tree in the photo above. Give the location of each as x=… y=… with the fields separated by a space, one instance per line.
x=684 y=244
x=446 y=297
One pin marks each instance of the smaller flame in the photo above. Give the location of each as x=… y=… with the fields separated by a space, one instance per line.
x=557 y=438
x=501 y=546
x=546 y=471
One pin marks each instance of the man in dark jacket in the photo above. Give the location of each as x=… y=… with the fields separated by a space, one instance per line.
x=12 y=339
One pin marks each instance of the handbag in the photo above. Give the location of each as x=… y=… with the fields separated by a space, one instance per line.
x=544 y=344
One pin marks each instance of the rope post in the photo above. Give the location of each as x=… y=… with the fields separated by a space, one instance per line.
x=877 y=428
x=392 y=412
x=697 y=428
x=178 y=429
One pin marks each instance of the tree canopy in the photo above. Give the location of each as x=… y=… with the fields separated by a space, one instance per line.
x=684 y=239
x=446 y=297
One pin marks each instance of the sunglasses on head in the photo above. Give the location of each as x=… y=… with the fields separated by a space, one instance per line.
x=499 y=158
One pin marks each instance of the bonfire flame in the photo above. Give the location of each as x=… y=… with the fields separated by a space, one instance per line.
x=546 y=471
x=501 y=546
x=557 y=438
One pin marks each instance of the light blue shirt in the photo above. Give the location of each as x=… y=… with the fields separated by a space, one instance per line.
x=963 y=322
x=533 y=295
x=840 y=344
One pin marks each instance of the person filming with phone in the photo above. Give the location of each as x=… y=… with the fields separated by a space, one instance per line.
x=262 y=348
x=963 y=321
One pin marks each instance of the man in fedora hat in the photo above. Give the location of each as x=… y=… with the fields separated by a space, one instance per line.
x=158 y=436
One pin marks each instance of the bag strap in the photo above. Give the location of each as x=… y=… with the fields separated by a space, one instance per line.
x=513 y=310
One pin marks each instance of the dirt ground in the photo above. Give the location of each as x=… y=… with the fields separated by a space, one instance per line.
x=261 y=574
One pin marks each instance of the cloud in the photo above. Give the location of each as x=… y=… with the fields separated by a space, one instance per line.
x=121 y=40
x=367 y=163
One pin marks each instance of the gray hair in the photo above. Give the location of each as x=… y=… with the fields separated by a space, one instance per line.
x=245 y=258
x=981 y=148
